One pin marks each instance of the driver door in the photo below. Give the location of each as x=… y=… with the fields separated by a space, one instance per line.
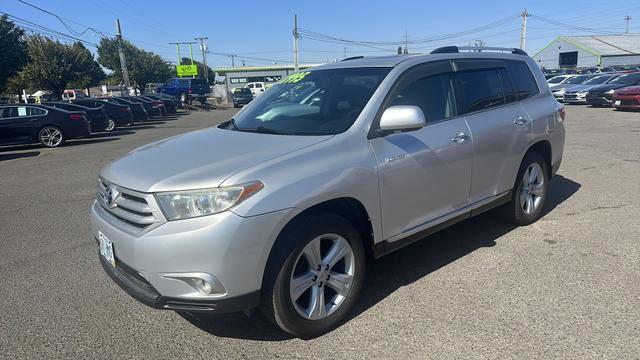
x=425 y=174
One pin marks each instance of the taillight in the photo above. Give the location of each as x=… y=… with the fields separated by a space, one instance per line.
x=75 y=117
x=125 y=109
x=189 y=90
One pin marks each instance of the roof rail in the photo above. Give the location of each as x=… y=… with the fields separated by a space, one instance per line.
x=353 y=58
x=456 y=49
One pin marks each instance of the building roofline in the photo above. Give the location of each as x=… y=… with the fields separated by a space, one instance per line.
x=570 y=41
x=261 y=68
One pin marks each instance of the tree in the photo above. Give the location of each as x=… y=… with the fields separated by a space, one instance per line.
x=14 y=50
x=144 y=67
x=55 y=66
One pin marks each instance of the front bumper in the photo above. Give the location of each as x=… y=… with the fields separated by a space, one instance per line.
x=626 y=102
x=599 y=100
x=231 y=248
x=575 y=98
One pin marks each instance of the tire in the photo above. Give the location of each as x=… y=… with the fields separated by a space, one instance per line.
x=51 y=136
x=111 y=125
x=528 y=199
x=290 y=263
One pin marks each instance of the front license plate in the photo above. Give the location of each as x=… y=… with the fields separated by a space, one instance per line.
x=617 y=102
x=106 y=248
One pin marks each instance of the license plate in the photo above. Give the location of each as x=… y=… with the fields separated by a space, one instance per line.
x=617 y=102
x=106 y=248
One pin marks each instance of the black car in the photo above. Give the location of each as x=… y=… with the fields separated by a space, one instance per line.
x=153 y=107
x=171 y=105
x=603 y=94
x=120 y=114
x=138 y=111
x=157 y=103
x=30 y=123
x=97 y=117
x=241 y=96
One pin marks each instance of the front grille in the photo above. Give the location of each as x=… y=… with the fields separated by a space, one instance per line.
x=128 y=210
x=571 y=96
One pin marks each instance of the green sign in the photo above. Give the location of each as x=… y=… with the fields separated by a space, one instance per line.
x=187 y=70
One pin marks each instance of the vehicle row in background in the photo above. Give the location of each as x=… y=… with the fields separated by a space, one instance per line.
x=618 y=89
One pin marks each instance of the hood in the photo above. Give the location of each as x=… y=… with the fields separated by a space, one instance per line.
x=199 y=159
x=629 y=90
x=580 y=88
x=606 y=87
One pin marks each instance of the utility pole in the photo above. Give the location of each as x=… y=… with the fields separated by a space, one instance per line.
x=203 y=48
x=296 y=36
x=626 y=20
x=406 y=43
x=233 y=60
x=523 y=31
x=123 y=60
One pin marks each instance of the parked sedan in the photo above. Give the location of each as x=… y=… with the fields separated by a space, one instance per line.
x=120 y=114
x=559 y=90
x=557 y=80
x=153 y=108
x=578 y=93
x=627 y=98
x=157 y=102
x=603 y=94
x=30 y=123
x=97 y=117
x=170 y=104
x=138 y=111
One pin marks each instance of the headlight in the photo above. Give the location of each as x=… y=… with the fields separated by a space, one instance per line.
x=610 y=92
x=194 y=203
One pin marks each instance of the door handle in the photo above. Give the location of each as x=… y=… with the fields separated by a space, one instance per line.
x=460 y=138
x=520 y=121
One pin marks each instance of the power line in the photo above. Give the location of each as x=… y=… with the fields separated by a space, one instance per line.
x=41 y=27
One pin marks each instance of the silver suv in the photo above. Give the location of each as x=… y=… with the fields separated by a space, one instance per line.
x=281 y=206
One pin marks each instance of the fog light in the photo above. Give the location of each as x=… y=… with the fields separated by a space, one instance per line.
x=205 y=284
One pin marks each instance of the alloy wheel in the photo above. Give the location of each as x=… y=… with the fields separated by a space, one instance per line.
x=322 y=276
x=111 y=125
x=50 y=136
x=532 y=191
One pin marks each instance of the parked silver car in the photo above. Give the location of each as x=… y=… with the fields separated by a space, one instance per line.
x=281 y=206
x=578 y=93
x=559 y=90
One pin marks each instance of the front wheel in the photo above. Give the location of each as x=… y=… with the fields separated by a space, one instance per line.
x=50 y=136
x=316 y=276
x=530 y=191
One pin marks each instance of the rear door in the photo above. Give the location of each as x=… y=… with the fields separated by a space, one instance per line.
x=500 y=127
x=424 y=175
x=19 y=124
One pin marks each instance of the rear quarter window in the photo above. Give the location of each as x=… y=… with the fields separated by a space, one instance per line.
x=523 y=80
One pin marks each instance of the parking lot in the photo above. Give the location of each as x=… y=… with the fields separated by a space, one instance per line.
x=567 y=286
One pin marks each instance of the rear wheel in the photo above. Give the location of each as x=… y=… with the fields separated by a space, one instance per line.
x=50 y=136
x=111 y=125
x=315 y=277
x=530 y=191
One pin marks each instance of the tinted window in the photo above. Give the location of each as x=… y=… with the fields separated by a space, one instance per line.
x=507 y=86
x=577 y=79
x=183 y=82
x=35 y=111
x=10 y=112
x=481 y=88
x=197 y=82
x=523 y=79
x=556 y=80
x=250 y=86
x=597 y=80
x=626 y=79
x=433 y=94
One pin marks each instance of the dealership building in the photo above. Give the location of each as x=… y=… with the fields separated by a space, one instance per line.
x=240 y=76
x=590 y=51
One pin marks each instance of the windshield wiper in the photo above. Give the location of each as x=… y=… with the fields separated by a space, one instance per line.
x=264 y=130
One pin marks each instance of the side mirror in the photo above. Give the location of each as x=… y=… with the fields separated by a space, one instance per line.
x=402 y=117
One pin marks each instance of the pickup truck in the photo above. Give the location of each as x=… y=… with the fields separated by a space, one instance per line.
x=185 y=89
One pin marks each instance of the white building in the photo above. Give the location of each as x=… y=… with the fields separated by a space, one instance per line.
x=590 y=51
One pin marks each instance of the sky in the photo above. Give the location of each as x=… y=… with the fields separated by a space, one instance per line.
x=260 y=32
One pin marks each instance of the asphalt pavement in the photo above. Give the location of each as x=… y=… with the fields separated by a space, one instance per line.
x=566 y=287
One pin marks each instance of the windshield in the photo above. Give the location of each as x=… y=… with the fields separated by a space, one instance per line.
x=577 y=79
x=241 y=91
x=556 y=80
x=597 y=80
x=627 y=79
x=321 y=102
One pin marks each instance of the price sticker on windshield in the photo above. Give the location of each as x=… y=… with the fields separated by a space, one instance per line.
x=294 y=78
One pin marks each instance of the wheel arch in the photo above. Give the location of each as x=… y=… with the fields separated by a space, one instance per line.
x=543 y=148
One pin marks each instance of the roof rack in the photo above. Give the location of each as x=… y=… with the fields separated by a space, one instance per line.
x=456 y=49
x=353 y=58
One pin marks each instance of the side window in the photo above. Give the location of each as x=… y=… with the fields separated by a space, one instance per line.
x=523 y=79
x=433 y=94
x=507 y=86
x=481 y=88
x=11 y=112
x=250 y=86
x=258 y=86
x=35 y=111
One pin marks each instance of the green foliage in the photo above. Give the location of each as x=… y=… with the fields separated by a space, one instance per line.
x=56 y=66
x=144 y=67
x=13 y=50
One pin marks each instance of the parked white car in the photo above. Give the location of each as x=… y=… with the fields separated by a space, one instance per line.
x=256 y=88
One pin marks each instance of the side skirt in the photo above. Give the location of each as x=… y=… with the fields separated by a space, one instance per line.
x=384 y=247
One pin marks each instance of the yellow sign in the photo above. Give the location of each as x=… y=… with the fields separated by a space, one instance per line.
x=294 y=78
x=187 y=70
